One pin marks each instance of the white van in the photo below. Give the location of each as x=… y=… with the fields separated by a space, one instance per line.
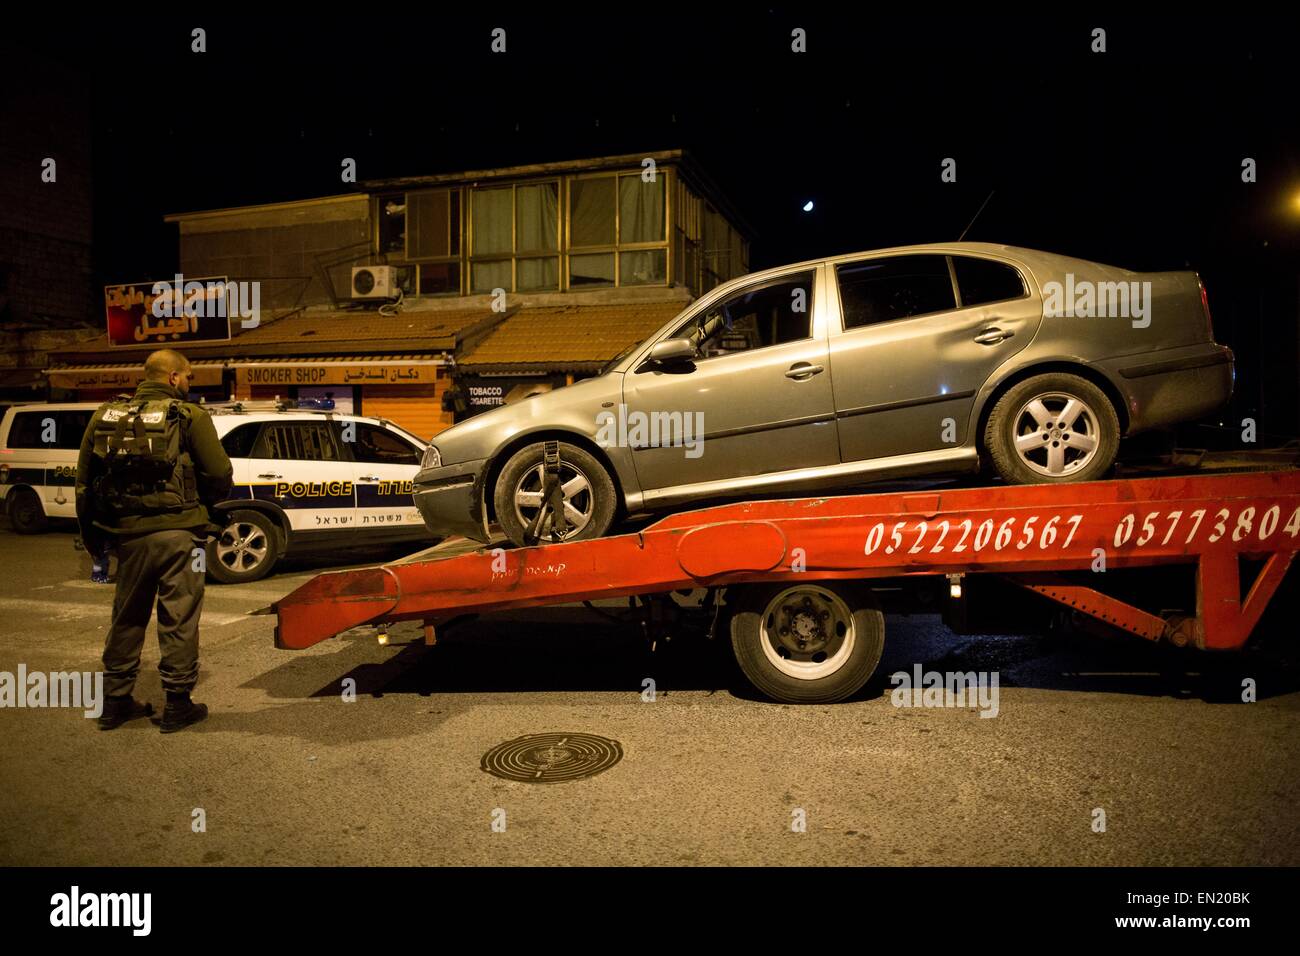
x=38 y=462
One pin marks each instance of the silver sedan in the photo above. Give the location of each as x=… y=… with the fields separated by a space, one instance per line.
x=832 y=374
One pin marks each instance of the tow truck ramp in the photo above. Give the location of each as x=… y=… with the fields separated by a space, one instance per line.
x=798 y=572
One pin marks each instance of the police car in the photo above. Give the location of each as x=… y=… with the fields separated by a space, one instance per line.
x=38 y=462
x=303 y=480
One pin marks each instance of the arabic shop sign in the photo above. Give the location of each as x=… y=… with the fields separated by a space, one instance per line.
x=160 y=313
x=125 y=379
x=325 y=374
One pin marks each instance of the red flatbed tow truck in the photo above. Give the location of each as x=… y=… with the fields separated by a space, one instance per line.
x=798 y=573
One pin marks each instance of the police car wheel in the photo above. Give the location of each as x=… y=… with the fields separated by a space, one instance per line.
x=806 y=643
x=246 y=550
x=25 y=512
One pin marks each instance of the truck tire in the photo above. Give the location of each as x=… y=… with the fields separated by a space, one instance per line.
x=246 y=550
x=808 y=643
x=1051 y=429
x=589 y=496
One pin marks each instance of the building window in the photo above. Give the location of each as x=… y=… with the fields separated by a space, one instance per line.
x=439 y=278
x=538 y=274
x=537 y=218
x=591 y=270
x=520 y=222
x=611 y=221
x=643 y=267
x=420 y=234
x=434 y=218
x=591 y=212
x=487 y=276
x=640 y=209
x=392 y=225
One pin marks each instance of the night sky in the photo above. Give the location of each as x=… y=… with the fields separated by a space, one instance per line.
x=1131 y=157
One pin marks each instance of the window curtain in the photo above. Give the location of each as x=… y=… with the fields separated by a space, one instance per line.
x=592 y=212
x=641 y=209
x=492 y=222
x=537 y=220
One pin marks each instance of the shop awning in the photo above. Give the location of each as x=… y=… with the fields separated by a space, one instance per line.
x=124 y=375
x=578 y=338
x=387 y=369
x=314 y=333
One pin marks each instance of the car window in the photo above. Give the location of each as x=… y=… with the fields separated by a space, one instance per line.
x=71 y=427
x=29 y=429
x=25 y=430
x=771 y=313
x=983 y=280
x=898 y=287
x=296 y=441
x=239 y=443
x=381 y=447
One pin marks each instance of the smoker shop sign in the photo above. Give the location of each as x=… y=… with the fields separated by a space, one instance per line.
x=327 y=374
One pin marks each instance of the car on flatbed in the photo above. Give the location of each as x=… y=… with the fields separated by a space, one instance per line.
x=928 y=360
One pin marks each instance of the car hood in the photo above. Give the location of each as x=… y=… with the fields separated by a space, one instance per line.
x=573 y=407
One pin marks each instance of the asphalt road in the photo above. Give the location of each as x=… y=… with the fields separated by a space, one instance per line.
x=285 y=771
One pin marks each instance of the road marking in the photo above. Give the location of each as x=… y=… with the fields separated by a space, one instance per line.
x=75 y=610
x=222 y=592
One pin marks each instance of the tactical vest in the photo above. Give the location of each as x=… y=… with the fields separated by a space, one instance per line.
x=145 y=464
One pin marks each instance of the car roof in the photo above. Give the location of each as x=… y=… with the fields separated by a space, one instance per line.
x=53 y=406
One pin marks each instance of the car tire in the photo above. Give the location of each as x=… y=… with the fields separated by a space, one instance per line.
x=843 y=626
x=591 y=496
x=247 y=548
x=1028 y=442
x=26 y=514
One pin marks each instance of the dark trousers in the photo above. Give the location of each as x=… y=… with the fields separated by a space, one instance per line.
x=158 y=565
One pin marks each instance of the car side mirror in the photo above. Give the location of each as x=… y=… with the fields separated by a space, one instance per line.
x=672 y=350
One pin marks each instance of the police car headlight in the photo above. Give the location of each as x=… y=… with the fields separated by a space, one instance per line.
x=432 y=458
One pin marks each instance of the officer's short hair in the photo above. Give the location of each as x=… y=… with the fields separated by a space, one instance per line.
x=162 y=363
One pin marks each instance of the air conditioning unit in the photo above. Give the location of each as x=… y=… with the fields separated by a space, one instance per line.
x=374 y=282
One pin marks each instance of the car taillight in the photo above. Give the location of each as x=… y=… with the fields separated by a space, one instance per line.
x=1205 y=307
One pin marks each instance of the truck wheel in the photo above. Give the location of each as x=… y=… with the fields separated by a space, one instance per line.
x=1051 y=429
x=25 y=512
x=813 y=643
x=246 y=550
x=589 y=497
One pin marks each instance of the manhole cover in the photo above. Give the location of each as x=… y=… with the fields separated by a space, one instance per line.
x=552 y=758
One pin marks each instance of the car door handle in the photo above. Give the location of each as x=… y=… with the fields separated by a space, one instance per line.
x=802 y=371
x=368 y=478
x=270 y=476
x=993 y=336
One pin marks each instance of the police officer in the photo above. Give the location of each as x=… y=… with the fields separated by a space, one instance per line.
x=146 y=488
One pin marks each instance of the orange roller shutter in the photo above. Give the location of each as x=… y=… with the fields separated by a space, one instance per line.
x=417 y=408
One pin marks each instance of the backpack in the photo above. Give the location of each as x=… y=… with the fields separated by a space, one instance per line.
x=144 y=462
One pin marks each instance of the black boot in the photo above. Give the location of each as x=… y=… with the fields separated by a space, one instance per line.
x=180 y=712
x=118 y=710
